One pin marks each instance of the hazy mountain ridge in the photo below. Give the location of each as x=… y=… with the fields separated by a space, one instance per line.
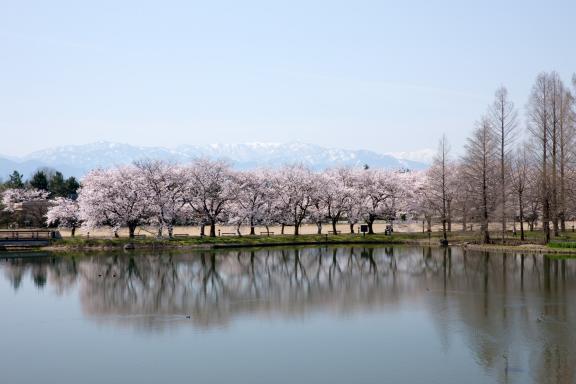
x=76 y=160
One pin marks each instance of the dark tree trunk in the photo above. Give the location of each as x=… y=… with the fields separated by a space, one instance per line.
x=370 y=223
x=73 y=233
x=334 y=221
x=212 y=229
x=351 y=228
x=131 y=230
x=449 y=211
x=521 y=214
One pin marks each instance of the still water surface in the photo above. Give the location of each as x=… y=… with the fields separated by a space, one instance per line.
x=306 y=315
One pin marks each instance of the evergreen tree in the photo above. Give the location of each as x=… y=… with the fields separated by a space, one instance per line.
x=39 y=181
x=15 y=180
x=71 y=187
x=57 y=185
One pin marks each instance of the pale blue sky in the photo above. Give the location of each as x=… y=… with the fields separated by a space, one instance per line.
x=381 y=75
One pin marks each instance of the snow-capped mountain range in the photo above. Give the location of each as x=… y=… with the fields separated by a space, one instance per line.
x=77 y=160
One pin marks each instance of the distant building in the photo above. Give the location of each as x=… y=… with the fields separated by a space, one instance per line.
x=31 y=213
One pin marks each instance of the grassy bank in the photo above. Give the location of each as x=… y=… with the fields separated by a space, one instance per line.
x=533 y=242
x=228 y=241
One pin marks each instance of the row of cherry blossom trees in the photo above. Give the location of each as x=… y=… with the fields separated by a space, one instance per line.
x=210 y=193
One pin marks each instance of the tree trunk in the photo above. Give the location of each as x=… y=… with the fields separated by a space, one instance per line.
x=202 y=231
x=503 y=180
x=449 y=218
x=319 y=227
x=131 y=230
x=334 y=221
x=212 y=229
x=282 y=228
x=296 y=229
x=521 y=213
x=351 y=228
x=73 y=232
x=252 y=230
x=370 y=223
x=485 y=233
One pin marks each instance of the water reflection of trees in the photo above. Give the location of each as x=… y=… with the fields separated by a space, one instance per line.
x=514 y=310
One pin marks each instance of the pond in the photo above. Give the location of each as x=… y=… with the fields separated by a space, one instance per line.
x=279 y=315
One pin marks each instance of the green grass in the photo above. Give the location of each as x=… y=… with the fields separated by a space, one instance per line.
x=246 y=241
x=562 y=244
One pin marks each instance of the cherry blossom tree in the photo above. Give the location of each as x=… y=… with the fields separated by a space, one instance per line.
x=381 y=191
x=338 y=194
x=318 y=211
x=211 y=189
x=253 y=202
x=14 y=196
x=422 y=203
x=28 y=205
x=115 y=197
x=65 y=213
x=165 y=186
x=295 y=191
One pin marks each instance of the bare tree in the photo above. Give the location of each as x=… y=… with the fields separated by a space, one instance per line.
x=538 y=127
x=439 y=183
x=479 y=163
x=504 y=121
x=566 y=145
x=519 y=181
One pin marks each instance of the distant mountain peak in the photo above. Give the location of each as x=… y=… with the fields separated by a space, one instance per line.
x=77 y=160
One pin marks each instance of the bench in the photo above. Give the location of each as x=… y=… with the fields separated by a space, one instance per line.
x=332 y=232
x=228 y=234
x=181 y=235
x=139 y=236
x=267 y=233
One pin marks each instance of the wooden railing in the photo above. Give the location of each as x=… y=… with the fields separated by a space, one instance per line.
x=27 y=234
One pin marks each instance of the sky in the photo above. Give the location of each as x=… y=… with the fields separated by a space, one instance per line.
x=379 y=75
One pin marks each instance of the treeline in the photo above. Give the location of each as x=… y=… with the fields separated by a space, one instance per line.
x=207 y=193
x=49 y=180
x=511 y=171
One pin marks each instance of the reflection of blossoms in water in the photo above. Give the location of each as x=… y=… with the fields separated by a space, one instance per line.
x=513 y=311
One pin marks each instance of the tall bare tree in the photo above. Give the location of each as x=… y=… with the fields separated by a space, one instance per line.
x=504 y=121
x=439 y=176
x=539 y=126
x=566 y=148
x=480 y=161
x=519 y=174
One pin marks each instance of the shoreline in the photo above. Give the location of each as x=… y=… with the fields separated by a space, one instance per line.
x=466 y=240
